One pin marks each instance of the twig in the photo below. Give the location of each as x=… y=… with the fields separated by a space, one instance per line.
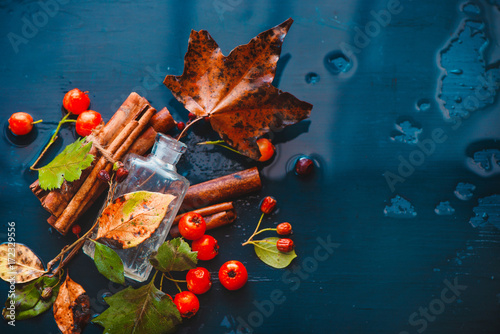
x=71 y=254
x=255 y=232
x=52 y=139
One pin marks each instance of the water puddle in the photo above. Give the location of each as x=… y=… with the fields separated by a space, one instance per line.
x=487 y=212
x=464 y=191
x=444 y=209
x=466 y=83
x=400 y=208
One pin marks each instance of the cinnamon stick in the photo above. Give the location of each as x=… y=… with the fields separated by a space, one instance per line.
x=222 y=189
x=213 y=221
x=209 y=210
x=162 y=122
x=56 y=200
x=119 y=146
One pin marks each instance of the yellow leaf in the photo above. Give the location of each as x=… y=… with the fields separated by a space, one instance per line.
x=132 y=218
x=19 y=263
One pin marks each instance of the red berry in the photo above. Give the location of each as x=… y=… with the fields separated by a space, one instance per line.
x=266 y=149
x=181 y=126
x=206 y=246
x=187 y=303
x=198 y=280
x=121 y=174
x=284 y=229
x=104 y=175
x=87 y=121
x=268 y=204
x=76 y=229
x=191 y=116
x=20 y=123
x=304 y=166
x=285 y=245
x=75 y=101
x=192 y=226
x=233 y=275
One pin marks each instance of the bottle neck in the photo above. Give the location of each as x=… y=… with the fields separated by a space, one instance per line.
x=167 y=151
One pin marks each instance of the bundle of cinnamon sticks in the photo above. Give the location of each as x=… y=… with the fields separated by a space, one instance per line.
x=133 y=129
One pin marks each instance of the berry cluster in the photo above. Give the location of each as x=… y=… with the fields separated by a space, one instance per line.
x=283 y=245
x=232 y=274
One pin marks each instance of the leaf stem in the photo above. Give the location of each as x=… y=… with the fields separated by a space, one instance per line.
x=175 y=281
x=161 y=281
x=265 y=229
x=220 y=143
x=187 y=127
x=212 y=142
x=51 y=141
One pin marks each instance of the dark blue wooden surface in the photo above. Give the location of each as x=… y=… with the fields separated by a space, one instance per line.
x=381 y=270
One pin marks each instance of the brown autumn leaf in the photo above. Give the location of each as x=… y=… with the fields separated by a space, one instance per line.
x=19 y=263
x=72 y=307
x=132 y=218
x=236 y=92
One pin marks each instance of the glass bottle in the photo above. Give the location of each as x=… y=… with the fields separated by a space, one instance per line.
x=154 y=173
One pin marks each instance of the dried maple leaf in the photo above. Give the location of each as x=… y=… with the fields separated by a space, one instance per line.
x=132 y=218
x=18 y=262
x=72 y=307
x=236 y=92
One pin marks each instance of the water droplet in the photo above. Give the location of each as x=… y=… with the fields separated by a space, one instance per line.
x=458 y=99
x=336 y=62
x=406 y=132
x=475 y=25
x=485 y=163
x=436 y=270
x=470 y=8
x=105 y=295
x=312 y=78
x=464 y=191
x=487 y=212
x=457 y=71
x=423 y=105
x=400 y=208
x=95 y=315
x=444 y=209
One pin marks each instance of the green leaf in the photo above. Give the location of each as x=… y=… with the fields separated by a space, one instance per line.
x=270 y=255
x=174 y=255
x=143 y=310
x=109 y=263
x=68 y=165
x=28 y=299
